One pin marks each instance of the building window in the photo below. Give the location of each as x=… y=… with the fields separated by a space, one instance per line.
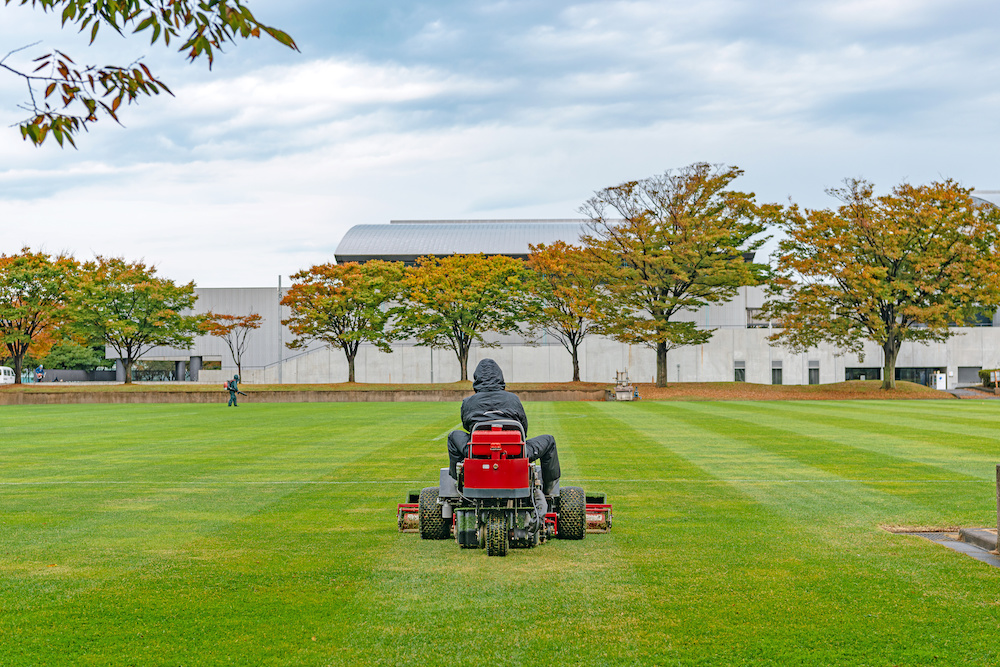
x=775 y=376
x=924 y=376
x=813 y=376
x=740 y=371
x=755 y=320
x=862 y=373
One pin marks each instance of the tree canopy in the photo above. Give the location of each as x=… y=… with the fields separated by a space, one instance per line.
x=671 y=244
x=450 y=302
x=343 y=305
x=63 y=97
x=35 y=290
x=133 y=310
x=569 y=294
x=906 y=266
x=234 y=330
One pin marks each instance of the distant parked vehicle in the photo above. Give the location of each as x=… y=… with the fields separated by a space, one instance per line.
x=6 y=375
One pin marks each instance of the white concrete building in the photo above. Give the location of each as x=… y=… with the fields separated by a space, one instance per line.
x=739 y=348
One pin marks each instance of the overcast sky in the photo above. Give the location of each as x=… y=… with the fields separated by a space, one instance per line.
x=477 y=109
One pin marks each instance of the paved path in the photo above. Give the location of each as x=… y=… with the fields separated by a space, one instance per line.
x=969 y=392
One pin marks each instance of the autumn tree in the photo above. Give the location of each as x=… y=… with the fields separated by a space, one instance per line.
x=906 y=266
x=234 y=330
x=35 y=289
x=133 y=310
x=344 y=305
x=451 y=302
x=64 y=98
x=569 y=294
x=669 y=245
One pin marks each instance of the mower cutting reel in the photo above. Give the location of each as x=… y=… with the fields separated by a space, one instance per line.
x=497 y=502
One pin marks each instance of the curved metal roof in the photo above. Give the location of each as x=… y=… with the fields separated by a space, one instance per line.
x=406 y=240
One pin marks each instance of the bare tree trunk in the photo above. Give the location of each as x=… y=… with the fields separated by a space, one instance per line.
x=463 y=361
x=350 y=366
x=661 y=364
x=576 y=363
x=891 y=350
x=18 y=367
x=128 y=369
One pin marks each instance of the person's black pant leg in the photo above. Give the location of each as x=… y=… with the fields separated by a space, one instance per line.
x=543 y=449
x=458 y=449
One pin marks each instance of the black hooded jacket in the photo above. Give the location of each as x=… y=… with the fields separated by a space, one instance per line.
x=490 y=400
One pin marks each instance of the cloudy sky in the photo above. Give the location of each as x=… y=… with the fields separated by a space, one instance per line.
x=491 y=109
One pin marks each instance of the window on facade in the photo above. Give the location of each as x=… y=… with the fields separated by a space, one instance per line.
x=863 y=373
x=755 y=320
x=740 y=375
x=813 y=376
x=775 y=376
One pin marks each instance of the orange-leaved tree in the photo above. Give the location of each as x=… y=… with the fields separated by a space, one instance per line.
x=568 y=288
x=35 y=292
x=234 y=330
x=669 y=245
x=905 y=266
x=450 y=302
x=63 y=97
x=343 y=305
x=133 y=310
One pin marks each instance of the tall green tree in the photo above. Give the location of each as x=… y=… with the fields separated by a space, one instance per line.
x=63 y=97
x=906 y=266
x=569 y=295
x=35 y=289
x=343 y=305
x=451 y=302
x=668 y=245
x=133 y=310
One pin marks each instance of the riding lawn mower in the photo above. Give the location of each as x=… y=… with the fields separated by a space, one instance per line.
x=498 y=502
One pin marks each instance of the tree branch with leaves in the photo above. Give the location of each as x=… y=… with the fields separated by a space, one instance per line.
x=64 y=98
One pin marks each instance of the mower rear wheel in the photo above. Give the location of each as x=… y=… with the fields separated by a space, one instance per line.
x=432 y=523
x=572 y=513
x=497 y=535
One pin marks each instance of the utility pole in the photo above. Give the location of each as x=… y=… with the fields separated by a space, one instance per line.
x=281 y=335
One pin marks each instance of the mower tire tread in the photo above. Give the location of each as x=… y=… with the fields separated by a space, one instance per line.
x=432 y=523
x=572 y=513
x=496 y=535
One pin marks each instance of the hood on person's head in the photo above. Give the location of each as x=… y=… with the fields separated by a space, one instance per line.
x=488 y=377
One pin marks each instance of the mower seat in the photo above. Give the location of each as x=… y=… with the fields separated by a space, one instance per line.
x=497 y=463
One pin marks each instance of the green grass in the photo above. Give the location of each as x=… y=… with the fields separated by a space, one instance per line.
x=198 y=535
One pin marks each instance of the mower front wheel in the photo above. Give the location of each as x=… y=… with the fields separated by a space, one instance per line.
x=432 y=523
x=497 y=535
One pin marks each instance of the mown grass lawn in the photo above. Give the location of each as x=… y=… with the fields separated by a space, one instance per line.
x=745 y=533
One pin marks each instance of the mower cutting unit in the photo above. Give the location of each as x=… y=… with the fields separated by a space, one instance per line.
x=498 y=503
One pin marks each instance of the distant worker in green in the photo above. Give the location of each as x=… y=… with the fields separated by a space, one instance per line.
x=232 y=386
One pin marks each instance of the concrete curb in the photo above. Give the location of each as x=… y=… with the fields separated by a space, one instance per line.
x=111 y=397
x=983 y=538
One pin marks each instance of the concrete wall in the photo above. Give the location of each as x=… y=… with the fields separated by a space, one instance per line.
x=602 y=357
x=269 y=360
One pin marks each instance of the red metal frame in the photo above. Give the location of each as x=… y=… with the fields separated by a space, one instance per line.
x=408 y=517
